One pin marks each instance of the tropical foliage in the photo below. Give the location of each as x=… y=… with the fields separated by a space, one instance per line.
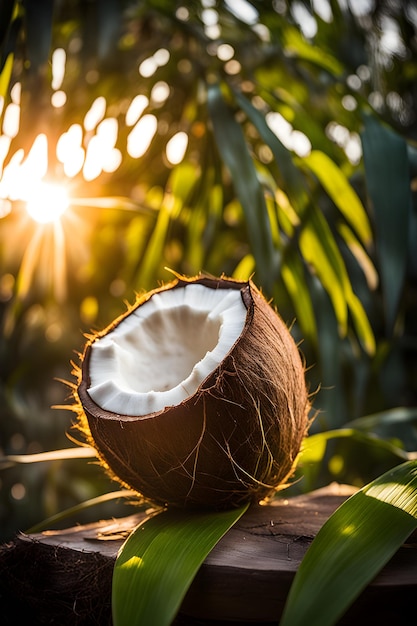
x=273 y=140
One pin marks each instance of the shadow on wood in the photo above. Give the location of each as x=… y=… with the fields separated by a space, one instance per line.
x=64 y=577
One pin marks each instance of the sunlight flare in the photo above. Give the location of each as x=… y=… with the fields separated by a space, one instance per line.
x=47 y=202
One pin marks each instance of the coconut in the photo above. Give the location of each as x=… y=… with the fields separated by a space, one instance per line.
x=196 y=397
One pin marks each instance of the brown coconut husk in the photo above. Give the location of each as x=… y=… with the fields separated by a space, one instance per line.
x=236 y=439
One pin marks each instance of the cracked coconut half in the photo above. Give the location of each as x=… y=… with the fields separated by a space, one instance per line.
x=196 y=396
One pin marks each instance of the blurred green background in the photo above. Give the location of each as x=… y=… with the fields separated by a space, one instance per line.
x=268 y=139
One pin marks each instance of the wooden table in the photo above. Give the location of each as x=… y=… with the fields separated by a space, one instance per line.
x=64 y=577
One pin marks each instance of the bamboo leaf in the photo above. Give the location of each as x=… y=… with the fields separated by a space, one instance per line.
x=352 y=547
x=159 y=560
x=388 y=182
x=234 y=152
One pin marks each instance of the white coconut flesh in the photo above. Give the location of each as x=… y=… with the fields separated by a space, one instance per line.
x=159 y=354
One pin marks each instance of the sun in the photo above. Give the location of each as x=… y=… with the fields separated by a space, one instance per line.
x=44 y=259
x=47 y=202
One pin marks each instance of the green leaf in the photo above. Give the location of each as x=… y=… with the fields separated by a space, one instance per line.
x=291 y=175
x=179 y=185
x=319 y=248
x=157 y=563
x=341 y=192
x=39 y=25
x=292 y=273
x=155 y=248
x=7 y=7
x=234 y=152
x=388 y=182
x=314 y=443
x=297 y=45
x=78 y=508
x=205 y=215
x=361 y=322
x=352 y=547
x=82 y=452
x=118 y=203
x=390 y=417
x=109 y=22
x=245 y=268
x=5 y=75
x=346 y=455
x=398 y=424
x=362 y=258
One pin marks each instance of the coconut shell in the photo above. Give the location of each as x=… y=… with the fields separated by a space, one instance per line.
x=234 y=440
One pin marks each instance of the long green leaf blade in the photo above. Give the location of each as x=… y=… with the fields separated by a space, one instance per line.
x=47 y=523
x=159 y=560
x=341 y=192
x=5 y=75
x=314 y=443
x=293 y=277
x=352 y=547
x=7 y=8
x=361 y=322
x=388 y=182
x=395 y=417
x=82 y=452
x=297 y=45
x=290 y=173
x=319 y=248
x=234 y=152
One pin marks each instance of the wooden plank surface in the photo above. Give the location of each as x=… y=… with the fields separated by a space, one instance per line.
x=64 y=577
